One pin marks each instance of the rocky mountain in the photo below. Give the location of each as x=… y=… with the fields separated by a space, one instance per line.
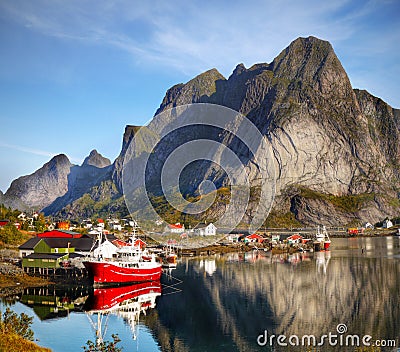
x=336 y=149
x=57 y=183
x=94 y=170
x=41 y=188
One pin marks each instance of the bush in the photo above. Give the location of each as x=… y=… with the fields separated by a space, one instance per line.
x=104 y=346
x=12 y=323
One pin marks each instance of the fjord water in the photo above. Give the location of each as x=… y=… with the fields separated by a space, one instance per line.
x=225 y=302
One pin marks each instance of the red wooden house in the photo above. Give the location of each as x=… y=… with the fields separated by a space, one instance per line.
x=254 y=238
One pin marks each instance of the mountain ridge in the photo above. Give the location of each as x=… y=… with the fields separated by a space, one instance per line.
x=329 y=141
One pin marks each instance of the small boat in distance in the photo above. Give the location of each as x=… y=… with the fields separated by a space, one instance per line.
x=127 y=264
x=322 y=241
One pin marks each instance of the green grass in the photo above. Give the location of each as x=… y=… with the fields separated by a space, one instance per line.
x=346 y=203
x=276 y=219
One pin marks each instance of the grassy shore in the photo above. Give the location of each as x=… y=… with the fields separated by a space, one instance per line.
x=10 y=342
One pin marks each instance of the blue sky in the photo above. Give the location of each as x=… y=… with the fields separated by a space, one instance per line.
x=74 y=73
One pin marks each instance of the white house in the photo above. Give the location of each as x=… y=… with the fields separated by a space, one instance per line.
x=368 y=225
x=100 y=223
x=387 y=224
x=87 y=224
x=117 y=227
x=205 y=230
x=22 y=216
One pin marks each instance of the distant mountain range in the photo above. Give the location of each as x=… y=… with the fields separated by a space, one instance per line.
x=336 y=149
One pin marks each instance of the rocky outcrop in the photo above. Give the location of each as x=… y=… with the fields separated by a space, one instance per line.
x=41 y=188
x=97 y=160
x=207 y=87
x=128 y=136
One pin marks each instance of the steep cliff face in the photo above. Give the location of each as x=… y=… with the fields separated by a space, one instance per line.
x=118 y=164
x=41 y=188
x=324 y=135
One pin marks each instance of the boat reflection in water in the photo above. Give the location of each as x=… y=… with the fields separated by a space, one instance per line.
x=128 y=302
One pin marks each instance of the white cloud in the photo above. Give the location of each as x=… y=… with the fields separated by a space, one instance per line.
x=36 y=151
x=187 y=36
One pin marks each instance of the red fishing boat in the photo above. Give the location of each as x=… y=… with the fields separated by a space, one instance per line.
x=122 y=265
x=112 y=272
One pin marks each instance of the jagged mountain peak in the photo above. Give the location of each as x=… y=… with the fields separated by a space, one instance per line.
x=60 y=159
x=43 y=186
x=56 y=164
x=96 y=159
x=306 y=48
x=202 y=88
x=239 y=68
x=312 y=61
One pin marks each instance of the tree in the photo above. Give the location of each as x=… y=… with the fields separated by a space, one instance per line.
x=11 y=322
x=9 y=234
x=40 y=223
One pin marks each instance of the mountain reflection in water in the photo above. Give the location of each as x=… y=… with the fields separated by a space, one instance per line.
x=227 y=301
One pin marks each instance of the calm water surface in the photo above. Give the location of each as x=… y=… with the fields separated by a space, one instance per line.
x=224 y=303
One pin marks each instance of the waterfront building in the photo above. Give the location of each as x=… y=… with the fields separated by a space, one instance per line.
x=205 y=229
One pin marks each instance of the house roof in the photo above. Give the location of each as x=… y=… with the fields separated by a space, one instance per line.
x=59 y=234
x=295 y=237
x=30 y=244
x=4 y=222
x=46 y=255
x=80 y=244
x=202 y=225
x=83 y=244
x=58 y=242
x=175 y=226
x=254 y=235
